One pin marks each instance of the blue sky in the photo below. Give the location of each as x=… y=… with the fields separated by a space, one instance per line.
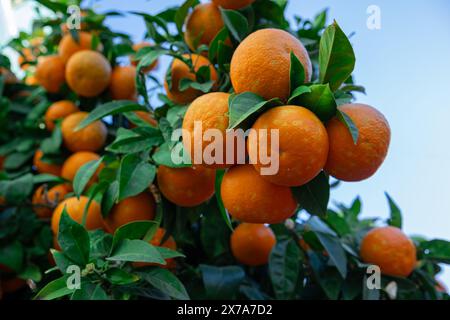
x=405 y=68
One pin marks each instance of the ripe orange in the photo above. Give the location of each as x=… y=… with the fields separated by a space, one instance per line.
x=31 y=81
x=202 y=25
x=211 y=110
x=26 y=56
x=186 y=187
x=137 y=47
x=50 y=73
x=390 y=249
x=68 y=46
x=250 y=198
x=88 y=73
x=156 y=241
x=303 y=144
x=75 y=208
x=350 y=162
x=251 y=244
x=147 y=117
x=262 y=61
x=44 y=201
x=59 y=110
x=44 y=167
x=180 y=70
x=11 y=285
x=90 y=138
x=75 y=162
x=123 y=83
x=137 y=208
x=233 y=4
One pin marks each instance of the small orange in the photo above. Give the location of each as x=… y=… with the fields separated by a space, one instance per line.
x=137 y=208
x=44 y=167
x=233 y=4
x=350 y=162
x=211 y=110
x=202 y=25
x=137 y=47
x=261 y=63
x=44 y=201
x=303 y=145
x=123 y=83
x=88 y=73
x=390 y=249
x=11 y=285
x=50 y=73
x=251 y=244
x=75 y=162
x=75 y=209
x=156 y=241
x=68 y=46
x=186 y=187
x=31 y=81
x=26 y=56
x=250 y=198
x=90 y=138
x=59 y=110
x=180 y=70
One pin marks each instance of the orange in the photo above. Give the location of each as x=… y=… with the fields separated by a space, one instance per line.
x=233 y=4
x=59 y=110
x=11 y=285
x=26 y=56
x=250 y=198
x=9 y=77
x=137 y=208
x=90 y=138
x=137 y=47
x=303 y=145
x=251 y=244
x=123 y=83
x=44 y=201
x=44 y=167
x=211 y=110
x=156 y=241
x=31 y=81
x=350 y=162
x=68 y=46
x=50 y=73
x=186 y=187
x=261 y=63
x=75 y=162
x=75 y=208
x=390 y=249
x=2 y=160
x=147 y=117
x=88 y=73
x=202 y=25
x=180 y=70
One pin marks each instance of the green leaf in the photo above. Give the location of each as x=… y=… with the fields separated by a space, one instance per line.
x=136 y=251
x=315 y=195
x=167 y=253
x=296 y=73
x=135 y=175
x=236 y=23
x=110 y=197
x=61 y=261
x=298 y=92
x=47 y=178
x=336 y=57
x=180 y=15
x=436 y=250
x=108 y=109
x=329 y=279
x=223 y=212
x=90 y=291
x=132 y=231
x=221 y=282
x=395 y=219
x=12 y=255
x=186 y=83
x=120 y=277
x=74 y=240
x=284 y=268
x=165 y=281
x=18 y=190
x=163 y=156
x=320 y=100
x=221 y=36
x=53 y=290
x=369 y=294
x=53 y=144
x=348 y=122
x=32 y=272
x=84 y=175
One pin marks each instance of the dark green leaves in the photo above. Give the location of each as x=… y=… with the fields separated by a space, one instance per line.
x=348 y=122
x=436 y=250
x=84 y=174
x=314 y=196
x=221 y=282
x=223 y=212
x=284 y=268
x=56 y=289
x=236 y=23
x=136 y=251
x=296 y=73
x=336 y=57
x=182 y=12
x=74 y=240
x=165 y=281
x=318 y=98
x=133 y=230
x=395 y=219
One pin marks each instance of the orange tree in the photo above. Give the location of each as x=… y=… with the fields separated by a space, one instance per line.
x=138 y=225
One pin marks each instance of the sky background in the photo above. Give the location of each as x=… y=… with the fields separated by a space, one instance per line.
x=405 y=67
